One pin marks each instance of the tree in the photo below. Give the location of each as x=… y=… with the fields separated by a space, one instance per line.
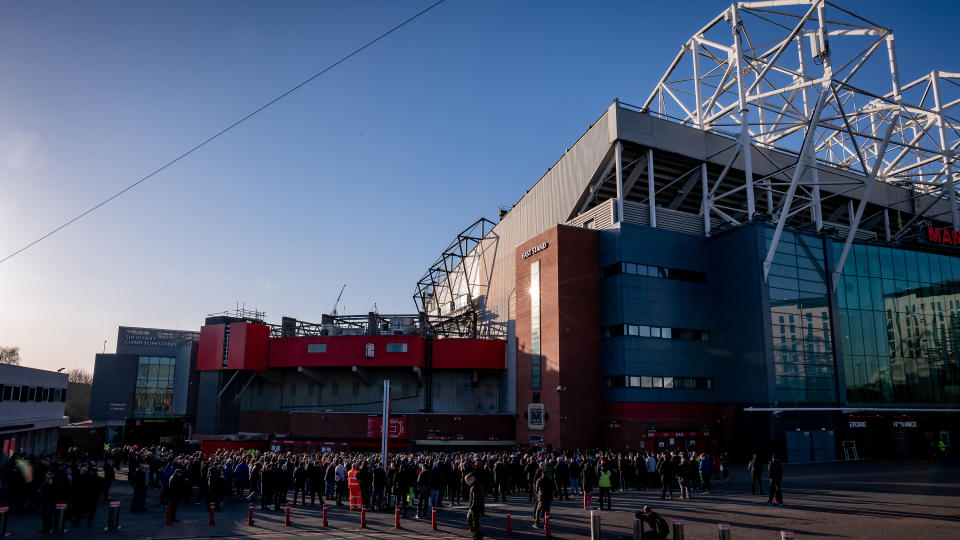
x=10 y=355
x=80 y=376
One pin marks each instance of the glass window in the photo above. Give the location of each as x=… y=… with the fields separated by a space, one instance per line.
x=635 y=382
x=397 y=347
x=317 y=348
x=668 y=382
x=646 y=382
x=643 y=331
x=655 y=331
x=657 y=382
x=665 y=333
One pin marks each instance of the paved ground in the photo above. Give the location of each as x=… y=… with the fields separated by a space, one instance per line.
x=842 y=500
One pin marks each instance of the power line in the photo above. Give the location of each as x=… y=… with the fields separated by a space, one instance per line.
x=221 y=132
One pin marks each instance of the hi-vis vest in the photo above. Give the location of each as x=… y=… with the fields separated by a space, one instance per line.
x=604 y=480
x=352 y=480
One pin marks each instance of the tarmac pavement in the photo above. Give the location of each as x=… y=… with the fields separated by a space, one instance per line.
x=899 y=499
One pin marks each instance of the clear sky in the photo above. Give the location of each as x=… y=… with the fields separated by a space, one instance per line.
x=361 y=177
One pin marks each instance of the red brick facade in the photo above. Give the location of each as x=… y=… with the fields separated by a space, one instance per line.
x=570 y=337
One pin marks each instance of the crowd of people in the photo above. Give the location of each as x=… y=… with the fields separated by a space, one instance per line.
x=412 y=482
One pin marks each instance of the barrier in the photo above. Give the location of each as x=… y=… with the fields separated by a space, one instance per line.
x=637 y=529
x=363 y=517
x=723 y=531
x=250 y=515
x=213 y=507
x=433 y=519
x=546 y=524
x=594 y=525
x=396 y=518
x=508 y=531
x=678 y=529
x=786 y=535
x=3 y=520
x=325 y=524
x=286 y=516
x=59 y=517
x=113 y=517
x=169 y=513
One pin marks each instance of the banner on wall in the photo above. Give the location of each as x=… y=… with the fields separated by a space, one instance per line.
x=398 y=427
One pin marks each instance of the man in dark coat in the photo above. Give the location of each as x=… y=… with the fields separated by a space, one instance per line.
x=658 y=526
x=544 y=485
x=756 y=475
x=476 y=506
x=667 y=473
x=775 y=472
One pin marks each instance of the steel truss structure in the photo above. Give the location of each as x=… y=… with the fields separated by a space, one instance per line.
x=448 y=292
x=799 y=78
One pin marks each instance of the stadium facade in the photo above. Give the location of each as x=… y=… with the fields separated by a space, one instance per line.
x=763 y=256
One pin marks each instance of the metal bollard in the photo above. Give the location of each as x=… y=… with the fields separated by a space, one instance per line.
x=250 y=515
x=678 y=529
x=724 y=531
x=594 y=525
x=396 y=517
x=546 y=524
x=363 y=517
x=433 y=519
x=637 y=529
x=113 y=517
x=213 y=507
x=3 y=520
x=786 y=535
x=325 y=524
x=508 y=523
x=59 y=517
x=286 y=516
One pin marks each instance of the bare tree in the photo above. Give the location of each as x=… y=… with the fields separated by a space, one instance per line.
x=80 y=376
x=10 y=355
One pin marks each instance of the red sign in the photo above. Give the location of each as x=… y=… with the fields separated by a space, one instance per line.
x=398 y=427
x=936 y=235
x=654 y=434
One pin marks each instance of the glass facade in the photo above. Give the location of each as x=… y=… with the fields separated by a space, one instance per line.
x=800 y=320
x=900 y=325
x=153 y=397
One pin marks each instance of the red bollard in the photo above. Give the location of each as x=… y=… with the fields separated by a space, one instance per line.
x=546 y=524
x=325 y=524
x=212 y=507
x=363 y=517
x=396 y=518
x=433 y=519
x=169 y=514
x=286 y=516
x=508 y=522
x=250 y=515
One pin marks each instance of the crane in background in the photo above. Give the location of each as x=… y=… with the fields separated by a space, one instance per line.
x=337 y=303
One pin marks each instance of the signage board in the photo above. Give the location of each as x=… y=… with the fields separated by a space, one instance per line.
x=534 y=250
x=854 y=424
x=535 y=416
x=941 y=237
x=398 y=427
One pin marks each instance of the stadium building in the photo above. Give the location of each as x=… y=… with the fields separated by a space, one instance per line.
x=766 y=249
x=764 y=255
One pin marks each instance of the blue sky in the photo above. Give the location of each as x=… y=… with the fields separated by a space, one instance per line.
x=361 y=177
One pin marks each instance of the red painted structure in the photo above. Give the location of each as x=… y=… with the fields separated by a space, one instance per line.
x=252 y=348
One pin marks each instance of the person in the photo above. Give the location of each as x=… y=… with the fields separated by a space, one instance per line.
x=423 y=491
x=177 y=486
x=475 y=508
x=139 y=481
x=353 y=482
x=330 y=478
x=756 y=475
x=775 y=473
x=341 y=480
x=725 y=468
x=241 y=474
x=686 y=471
x=266 y=486
x=300 y=483
x=49 y=495
x=658 y=526
x=544 y=485
x=651 y=465
x=108 y=477
x=667 y=473
x=379 y=484
x=605 y=484
x=588 y=479
x=705 y=468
